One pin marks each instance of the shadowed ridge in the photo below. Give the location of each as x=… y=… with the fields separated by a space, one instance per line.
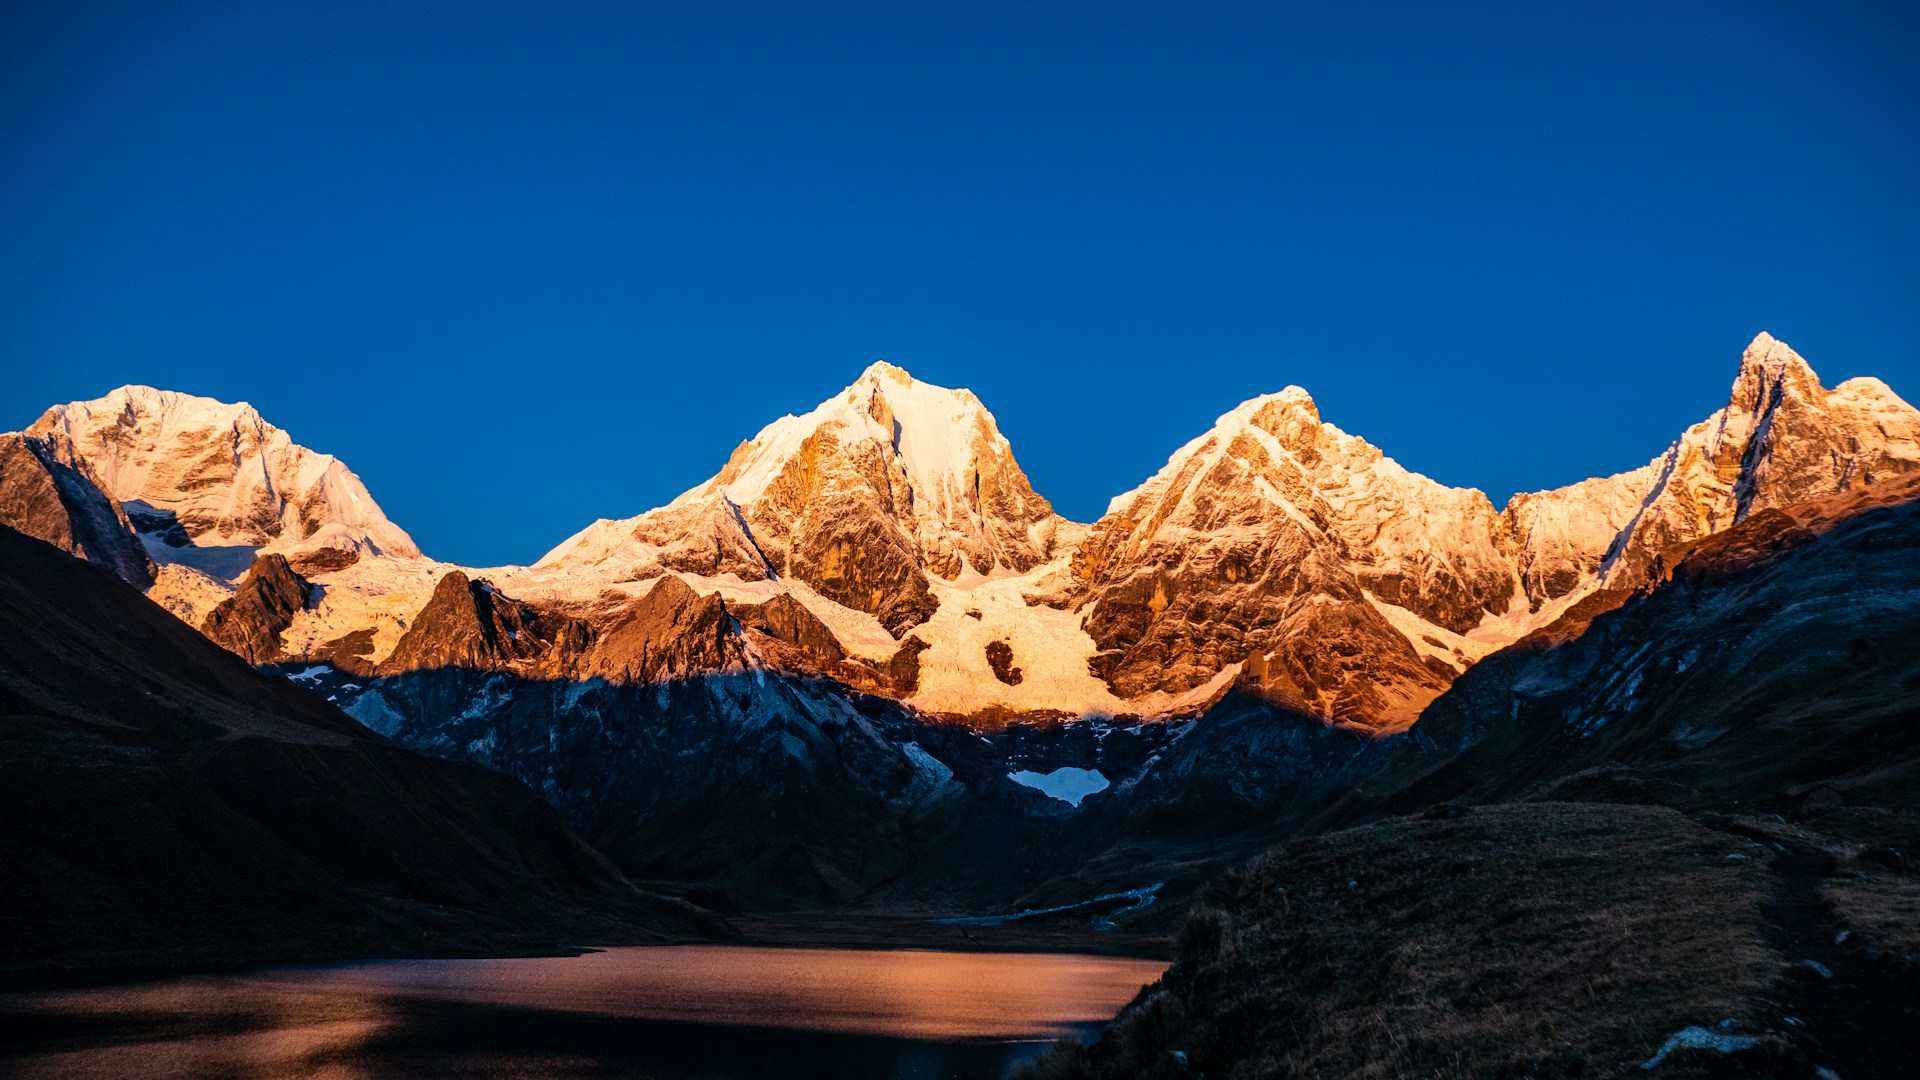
x=169 y=805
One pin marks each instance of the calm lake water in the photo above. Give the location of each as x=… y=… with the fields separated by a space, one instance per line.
x=669 y=1013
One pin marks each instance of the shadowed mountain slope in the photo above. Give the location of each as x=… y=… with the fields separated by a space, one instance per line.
x=166 y=804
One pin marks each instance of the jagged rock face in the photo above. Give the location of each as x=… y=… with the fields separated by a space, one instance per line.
x=1275 y=553
x=1259 y=541
x=249 y=623
x=1561 y=537
x=1762 y=661
x=54 y=497
x=671 y=632
x=470 y=624
x=863 y=498
x=1000 y=660
x=788 y=621
x=1781 y=439
x=1267 y=539
x=226 y=476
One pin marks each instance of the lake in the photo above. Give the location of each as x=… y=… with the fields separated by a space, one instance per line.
x=710 y=1012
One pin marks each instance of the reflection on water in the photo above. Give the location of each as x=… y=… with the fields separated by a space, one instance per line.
x=695 y=1011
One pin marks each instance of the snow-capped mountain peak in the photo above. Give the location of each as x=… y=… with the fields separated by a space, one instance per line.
x=935 y=435
x=863 y=497
x=1274 y=552
x=215 y=474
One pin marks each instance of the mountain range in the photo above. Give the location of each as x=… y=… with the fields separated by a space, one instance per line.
x=892 y=537
x=869 y=627
x=1617 y=777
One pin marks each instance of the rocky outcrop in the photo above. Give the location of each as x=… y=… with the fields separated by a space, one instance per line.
x=249 y=623
x=788 y=622
x=326 y=560
x=670 y=632
x=1000 y=659
x=470 y=624
x=53 y=496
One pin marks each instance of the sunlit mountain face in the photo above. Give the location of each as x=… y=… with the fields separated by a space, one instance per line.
x=869 y=616
x=865 y=687
x=888 y=543
x=989 y=542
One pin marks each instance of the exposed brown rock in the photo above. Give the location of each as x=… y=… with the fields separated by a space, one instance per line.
x=52 y=496
x=868 y=567
x=351 y=653
x=471 y=624
x=249 y=623
x=903 y=671
x=670 y=632
x=327 y=560
x=787 y=620
x=1000 y=659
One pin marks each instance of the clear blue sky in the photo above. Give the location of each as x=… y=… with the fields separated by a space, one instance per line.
x=526 y=265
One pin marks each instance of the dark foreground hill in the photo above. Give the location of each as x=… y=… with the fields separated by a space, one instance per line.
x=1673 y=838
x=165 y=804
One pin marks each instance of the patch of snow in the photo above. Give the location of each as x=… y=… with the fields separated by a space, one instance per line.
x=1422 y=634
x=1049 y=647
x=187 y=592
x=1067 y=784
x=931 y=768
x=372 y=710
x=1699 y=1038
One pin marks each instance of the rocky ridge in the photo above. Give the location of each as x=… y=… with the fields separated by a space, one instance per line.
x=890 y=483
x=168 y=805
x=889 y=542
x=1351 y=589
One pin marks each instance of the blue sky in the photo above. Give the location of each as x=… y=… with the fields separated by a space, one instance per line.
x=523 y=266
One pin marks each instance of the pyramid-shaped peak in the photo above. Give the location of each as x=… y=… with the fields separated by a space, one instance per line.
x=1292 y=397
x=1262 y=410
x=881 y=371
x=1767 y=366
x=1771 y=357
x=892 y=381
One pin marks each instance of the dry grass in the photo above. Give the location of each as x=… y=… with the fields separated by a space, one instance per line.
x=1881 y=914
x=1536 y=939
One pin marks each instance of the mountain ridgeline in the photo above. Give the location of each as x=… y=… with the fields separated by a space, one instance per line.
x=840 y=672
